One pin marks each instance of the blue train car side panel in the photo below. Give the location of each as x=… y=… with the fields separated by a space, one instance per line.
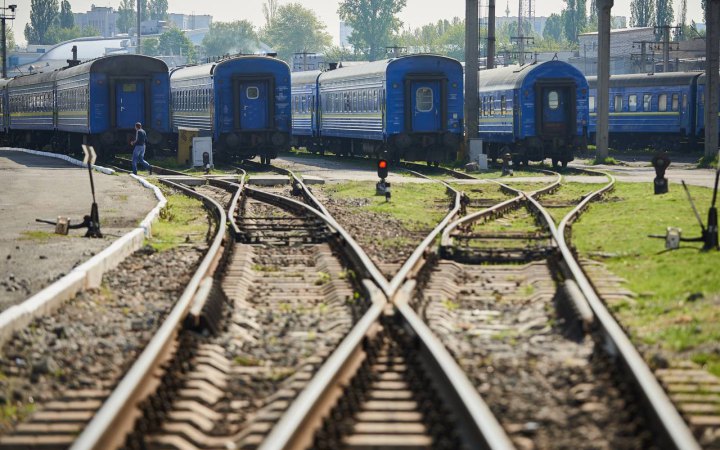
x=99 y=103
x=656 y=110
x=699 y=130
x=533 y=111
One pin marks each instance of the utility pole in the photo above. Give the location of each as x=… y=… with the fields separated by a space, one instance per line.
x=712 y=78
x=521 y=34
x=471 y=71
x=138 y=49
x=491 y=36
x=604 y=8
x=4 y=15
x=665 y=30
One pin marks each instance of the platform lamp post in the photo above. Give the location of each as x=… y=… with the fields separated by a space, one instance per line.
x=5 y=15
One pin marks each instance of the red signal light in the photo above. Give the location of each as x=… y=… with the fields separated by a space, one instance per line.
x=382 y=168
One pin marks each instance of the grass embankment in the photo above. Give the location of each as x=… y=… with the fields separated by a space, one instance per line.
x=417 y=205
x=182 y=221
x=677 y=309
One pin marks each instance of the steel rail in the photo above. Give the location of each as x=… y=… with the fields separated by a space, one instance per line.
x=296 y=427
x=667 y=419
x=478 y=425
x=414 y=262
x=361 y=258
x=116 y=416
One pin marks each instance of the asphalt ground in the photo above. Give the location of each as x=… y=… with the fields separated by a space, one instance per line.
x=31 y=255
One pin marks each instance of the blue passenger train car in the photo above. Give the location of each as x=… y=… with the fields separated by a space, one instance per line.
x=97 y=102
x=3 y=106
x=650 y=110
x=242 y=102
x=533 y=112
x=700 y=110
x=305 y=132
x=408 y=107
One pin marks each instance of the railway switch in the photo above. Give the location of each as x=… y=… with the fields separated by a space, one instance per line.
x=506 y=170
x=660 y=162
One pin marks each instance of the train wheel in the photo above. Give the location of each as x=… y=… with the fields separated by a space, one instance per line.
x=556 y=163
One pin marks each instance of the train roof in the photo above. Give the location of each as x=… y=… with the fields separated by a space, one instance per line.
x=512 y=77
x=115 y=64
x=648 y=79
x=305 y=77
x=371 y=69
x=207 y=70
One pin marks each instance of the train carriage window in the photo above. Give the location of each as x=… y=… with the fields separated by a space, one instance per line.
x=375 y=100
x=684 y=102
x=591 y=103
x=252 y=92
x=632 y=102
x=675 y=102
x=492 y=105
x=503 y=105
x=354 y=101
x=424 y=99
x=303 y=104
x=647 y=102
x=553 y=100
x=618 y=103
x=662 y=102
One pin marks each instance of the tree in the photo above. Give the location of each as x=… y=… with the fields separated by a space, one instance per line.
x=126 y=16
x=9 y=39
x=230 y=37
x=593 y=16
x=158 y=9
x=374 y=24
x=67 y=20
x=296 y=29
x=553 y=28
x=574 y=19
x=337 y=54
x=58 y=34
x=664 y=14
x=269 y=10
x=151 y=47
x=642 y=13
x=43 y=15
x=174 y=42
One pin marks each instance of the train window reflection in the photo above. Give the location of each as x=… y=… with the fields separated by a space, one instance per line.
x=424 y=99
x=662 y=102
x=553 y=100
x=618 y=103
x=591 y=103
x=632 y=102
x=252 y=92
x=675 y=102
x=647 y=102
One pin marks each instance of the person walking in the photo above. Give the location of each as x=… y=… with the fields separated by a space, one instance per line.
x=139 y=151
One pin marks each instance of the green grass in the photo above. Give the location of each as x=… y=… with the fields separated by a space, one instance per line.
x=416 y=205
x=678 y=303
x=568 y=193
x=37 y=236
x=183 y=220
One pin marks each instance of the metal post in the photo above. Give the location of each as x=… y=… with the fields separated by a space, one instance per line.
x=491 y=36
x=4 y=48
x=521 y=42
x=603 y=77
x=666 y=49
x=643 y=58
x=138 y=50
x=712 y=78
x=3 y=17
x=471 y=71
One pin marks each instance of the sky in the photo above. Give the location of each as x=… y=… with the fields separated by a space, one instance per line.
x=416 y=12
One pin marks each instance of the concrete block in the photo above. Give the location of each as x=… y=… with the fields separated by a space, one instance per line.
x=310 y=179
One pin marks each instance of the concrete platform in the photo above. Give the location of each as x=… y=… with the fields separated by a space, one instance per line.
x=268 y=180
x=31 y=255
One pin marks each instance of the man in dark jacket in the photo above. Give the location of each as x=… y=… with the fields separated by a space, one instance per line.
x=139 y=151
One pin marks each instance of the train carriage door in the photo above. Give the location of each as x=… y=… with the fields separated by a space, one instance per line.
x=129 y=103
x=253 y=105
x=425 y=101
x=556 y=112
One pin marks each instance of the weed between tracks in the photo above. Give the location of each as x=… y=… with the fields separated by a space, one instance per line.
x=677 y=308
x=182 y=221
x=418 y=205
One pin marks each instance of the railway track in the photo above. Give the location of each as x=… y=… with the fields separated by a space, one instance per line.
x=302 y=342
